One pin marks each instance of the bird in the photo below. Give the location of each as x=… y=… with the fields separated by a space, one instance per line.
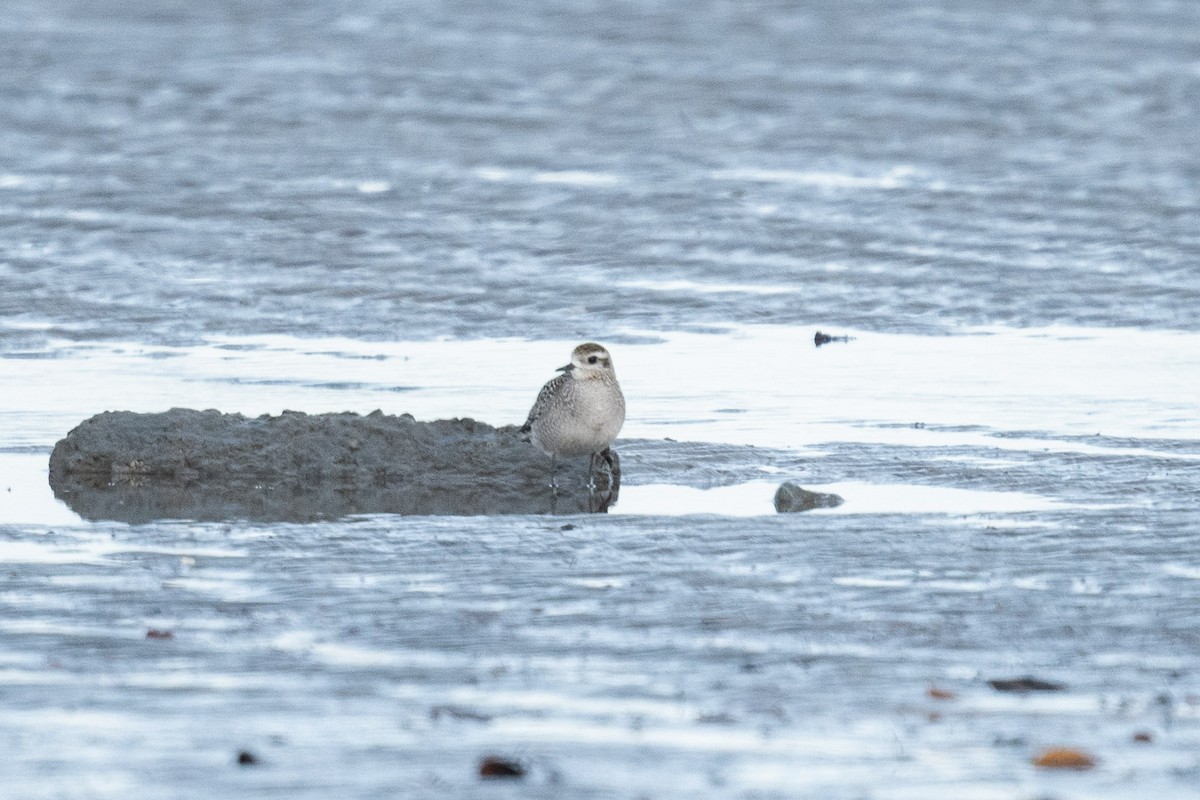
x=581 y=411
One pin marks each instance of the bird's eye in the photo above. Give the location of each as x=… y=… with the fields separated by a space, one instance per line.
x=592 y=359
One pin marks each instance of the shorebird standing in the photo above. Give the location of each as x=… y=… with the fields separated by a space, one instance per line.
x=581 y=411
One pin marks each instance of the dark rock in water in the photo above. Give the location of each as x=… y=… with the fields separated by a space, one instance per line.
x=493 y=767
x=1026 y=684
x=205 y=465
x=790 y=497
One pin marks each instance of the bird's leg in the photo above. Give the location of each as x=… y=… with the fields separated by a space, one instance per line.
x=554 y=474
x=614 y=469
x=613 y=459
x=613 y=465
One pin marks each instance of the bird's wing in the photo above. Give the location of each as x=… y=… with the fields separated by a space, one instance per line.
x=549 y=390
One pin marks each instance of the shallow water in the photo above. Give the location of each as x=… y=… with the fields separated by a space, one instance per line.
x=330 y=207
x=174 y=171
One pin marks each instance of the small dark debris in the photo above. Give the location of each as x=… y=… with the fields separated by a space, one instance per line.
x=245 y=758
x=1026 y=684
x=1143 y=737
x=1064 y=758
x=567 y=528
x=1009 y=741
x=720 y=718
x=824 y=338
x=496 y=767
x=458 y=712
x=155 y=633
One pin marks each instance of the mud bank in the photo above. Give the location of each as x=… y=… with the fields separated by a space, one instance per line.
x=206 y=465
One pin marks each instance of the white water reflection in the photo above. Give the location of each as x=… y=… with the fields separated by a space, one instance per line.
x=765 y=385
x=25 y=495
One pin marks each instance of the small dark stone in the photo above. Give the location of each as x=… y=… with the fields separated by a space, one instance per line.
x=1026 y=684
x=155 y=633
x=791 y=498
x=496 y=767
x=245 y=758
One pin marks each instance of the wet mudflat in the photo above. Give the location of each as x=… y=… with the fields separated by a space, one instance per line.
x=692 y=642
x=613 y=657
x=421 y=208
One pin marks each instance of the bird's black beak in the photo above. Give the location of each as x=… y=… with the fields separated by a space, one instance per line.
x=567 y=368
